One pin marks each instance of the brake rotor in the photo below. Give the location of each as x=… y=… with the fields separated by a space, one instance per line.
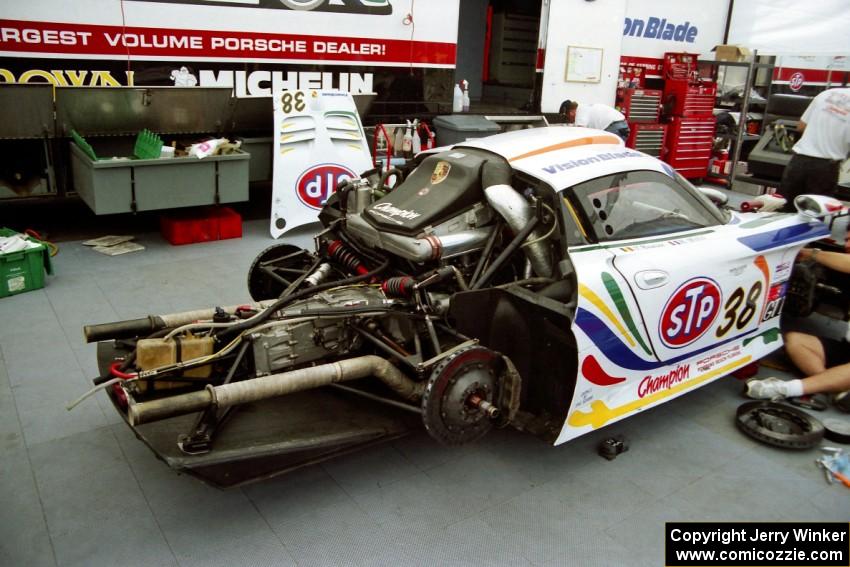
x=779 y=425
x=455 y=387
x=287 y=262
x=837 y=429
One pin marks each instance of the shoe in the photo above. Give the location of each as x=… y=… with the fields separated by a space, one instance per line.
x=765 y=389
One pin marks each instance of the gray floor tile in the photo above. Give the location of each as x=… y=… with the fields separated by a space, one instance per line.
x=76 y=456
x=96 y=513
x=257 y=549
x=11 y=435
x=470 y=542
x=370 y=469
x=36 y=354
x=220 y=529
x=41 y=409
x=688 y=451
x=24 y=539
x=424 y=452
x=546 y=528
x=294 y=495
x=341 y=535
x=77 y=301
x=421 y=503
x=29 y=310
x=642 y=532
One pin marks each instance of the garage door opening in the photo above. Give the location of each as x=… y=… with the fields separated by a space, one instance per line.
x=497 y=54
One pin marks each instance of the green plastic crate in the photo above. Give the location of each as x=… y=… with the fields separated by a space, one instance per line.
x=24 y=270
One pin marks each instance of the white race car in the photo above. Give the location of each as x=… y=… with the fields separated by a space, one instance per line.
x=547 y=279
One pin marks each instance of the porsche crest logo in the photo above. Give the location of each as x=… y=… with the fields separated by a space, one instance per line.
x=441 y=171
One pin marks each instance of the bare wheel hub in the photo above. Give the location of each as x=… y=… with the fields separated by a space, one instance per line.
x=458 y=404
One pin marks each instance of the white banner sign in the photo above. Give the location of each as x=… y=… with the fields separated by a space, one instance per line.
x=350 y=32
x=319 y=143
x=655 y=27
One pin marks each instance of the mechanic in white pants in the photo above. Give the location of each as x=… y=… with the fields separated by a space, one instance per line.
x=825 y=362
x=598 y=116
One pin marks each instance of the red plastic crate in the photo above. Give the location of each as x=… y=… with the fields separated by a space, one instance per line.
x=201 y=225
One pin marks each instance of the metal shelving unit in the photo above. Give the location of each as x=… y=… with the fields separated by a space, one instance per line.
x=741 y=134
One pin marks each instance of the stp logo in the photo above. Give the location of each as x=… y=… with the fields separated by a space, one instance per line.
x=318 y=183
x=796 y=81
x=690 y=312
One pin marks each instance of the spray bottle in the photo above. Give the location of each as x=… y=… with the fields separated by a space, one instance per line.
x=407 y=142
x=417 y=141
x=457 y=100
x=465 y=103
x=398 y=141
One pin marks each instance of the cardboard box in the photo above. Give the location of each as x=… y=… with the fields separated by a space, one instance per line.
x=731 y=53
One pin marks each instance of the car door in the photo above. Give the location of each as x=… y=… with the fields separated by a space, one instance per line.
x=703 y=291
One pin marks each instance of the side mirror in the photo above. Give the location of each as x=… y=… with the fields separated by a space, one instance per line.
x=818 y=206
x=716 y=196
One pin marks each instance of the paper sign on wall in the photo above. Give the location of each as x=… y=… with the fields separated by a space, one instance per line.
x=319 y=142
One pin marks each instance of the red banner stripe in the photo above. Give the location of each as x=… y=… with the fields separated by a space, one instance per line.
x=808 y=75
x=651 y=65
x=81 y=39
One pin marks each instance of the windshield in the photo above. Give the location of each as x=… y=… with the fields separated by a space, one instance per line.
x=636 y=204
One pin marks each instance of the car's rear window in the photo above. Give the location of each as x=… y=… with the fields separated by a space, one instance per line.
x=636 y=204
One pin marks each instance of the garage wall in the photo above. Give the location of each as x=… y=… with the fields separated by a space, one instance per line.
x=584 y=24
x=792 y=27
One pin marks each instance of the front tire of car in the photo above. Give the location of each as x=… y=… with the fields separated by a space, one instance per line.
x=302 y=4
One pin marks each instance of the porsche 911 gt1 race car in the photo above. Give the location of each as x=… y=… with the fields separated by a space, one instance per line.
x=548 y=279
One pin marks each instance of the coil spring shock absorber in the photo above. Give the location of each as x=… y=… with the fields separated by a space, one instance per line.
x=341 y=253
x=401 y=286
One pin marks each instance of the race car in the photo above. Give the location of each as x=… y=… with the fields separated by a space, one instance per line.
x=548 y=279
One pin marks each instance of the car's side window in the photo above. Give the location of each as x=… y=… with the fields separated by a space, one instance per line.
x=636 y=204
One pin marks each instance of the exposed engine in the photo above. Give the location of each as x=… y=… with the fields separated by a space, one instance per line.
x=408 y=285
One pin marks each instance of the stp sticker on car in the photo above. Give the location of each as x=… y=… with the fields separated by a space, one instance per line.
x=689 y=312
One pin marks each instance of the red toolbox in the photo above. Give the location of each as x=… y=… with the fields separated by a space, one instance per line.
x=648 y=138
x=679 y=66
x=201 y=225
x=641 y=105
x=686 y=99
x=689 y=144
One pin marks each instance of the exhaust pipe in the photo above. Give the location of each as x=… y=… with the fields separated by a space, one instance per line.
x=152 y=323
x=276 y=385
x=517 y=213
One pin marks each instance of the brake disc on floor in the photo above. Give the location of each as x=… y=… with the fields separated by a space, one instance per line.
x=779 y=425
x=837 y=429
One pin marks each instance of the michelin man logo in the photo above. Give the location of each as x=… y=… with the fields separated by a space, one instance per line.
x=182 y=77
